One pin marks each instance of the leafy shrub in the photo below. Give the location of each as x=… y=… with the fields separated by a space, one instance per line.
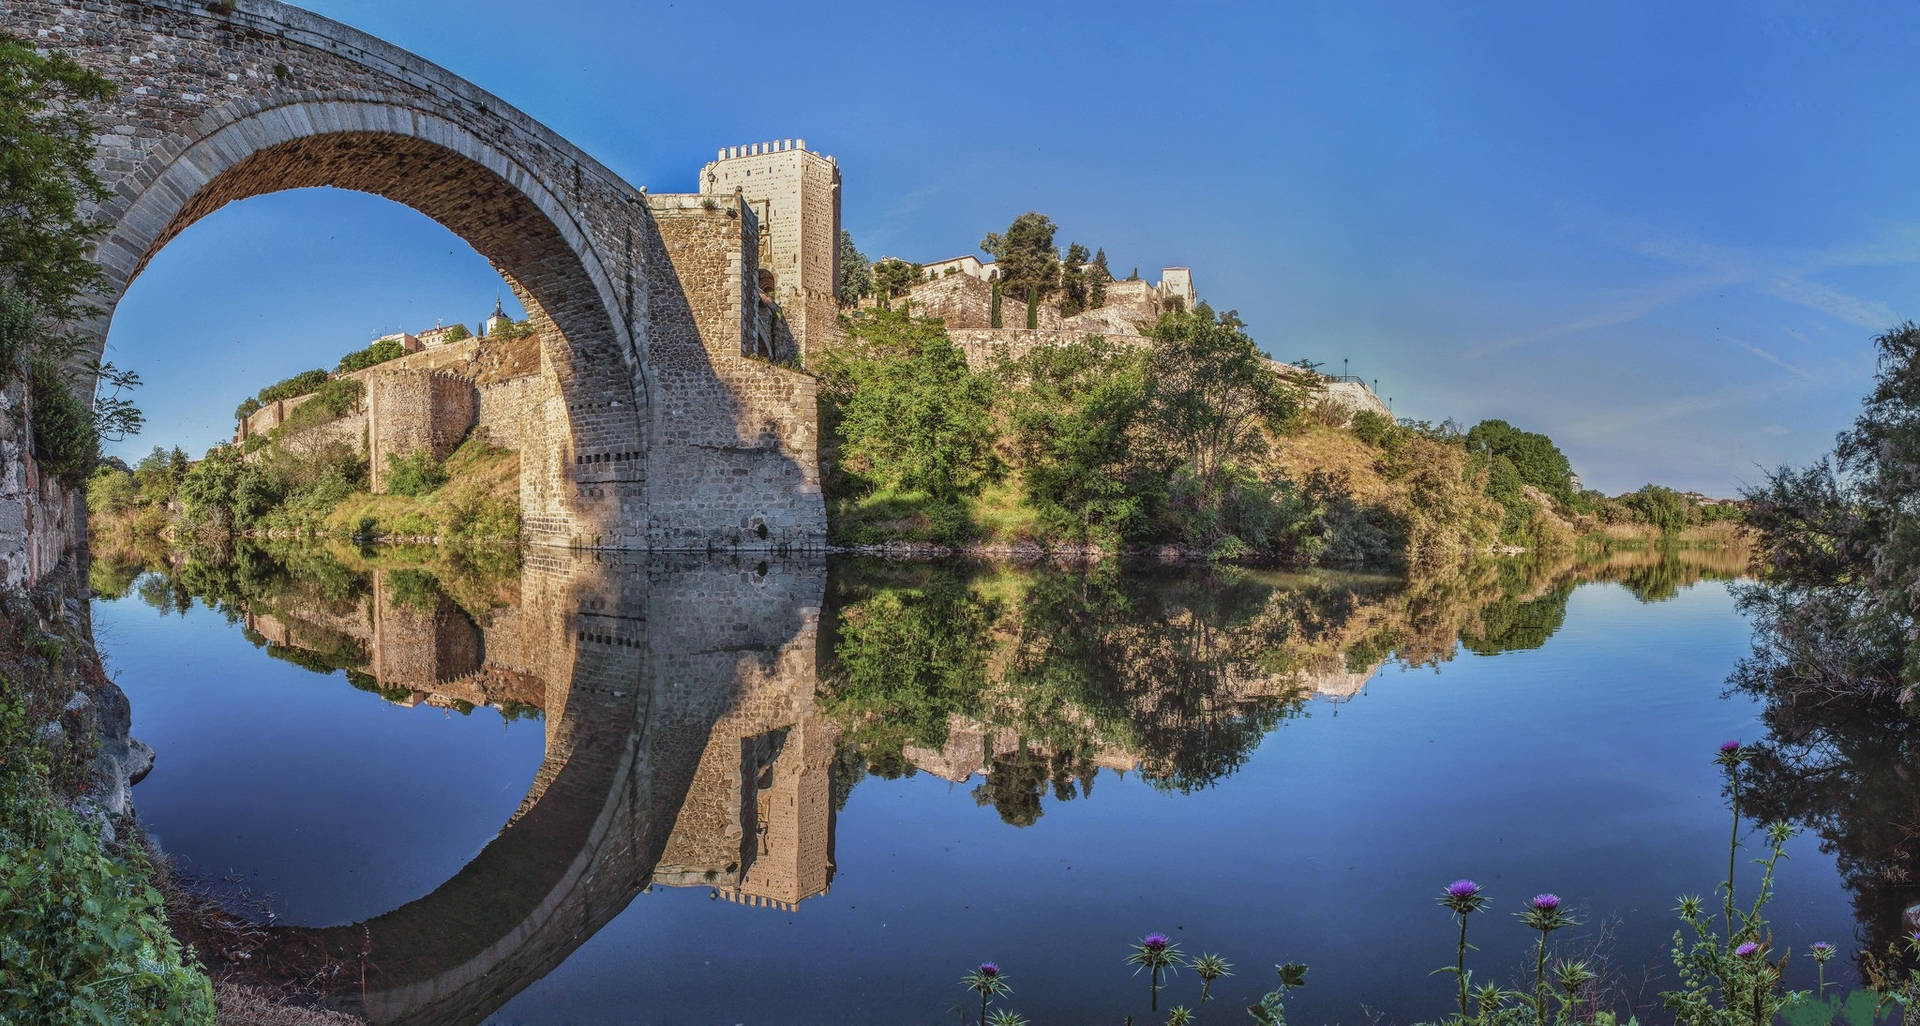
x=300 y=384
x=414 y=474
x=334 y=399
x=17 y=325
x=65 y=441
x=1375 y=429
x=414 y=589
x=377 y=353
x=83 y=937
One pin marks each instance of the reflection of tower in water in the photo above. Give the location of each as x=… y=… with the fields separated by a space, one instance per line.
x=680 y=749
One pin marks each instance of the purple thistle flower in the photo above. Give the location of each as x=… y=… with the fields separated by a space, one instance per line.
x=1729 y=747
x=1822 y=946
x=1546 y=902
x=1746 y=950
x=989 y=969
x=1154 y=942
x=1462 y=889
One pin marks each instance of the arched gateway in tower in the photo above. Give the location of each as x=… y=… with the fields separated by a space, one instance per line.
x=662 y=424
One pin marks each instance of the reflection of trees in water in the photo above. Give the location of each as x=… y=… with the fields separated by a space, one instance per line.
x=1054 y=672
x=1851 y=774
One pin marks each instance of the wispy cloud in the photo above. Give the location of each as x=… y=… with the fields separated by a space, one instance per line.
x=1789 y=277
x=1623 y=310
x=1764 y=355
x=1630 y=418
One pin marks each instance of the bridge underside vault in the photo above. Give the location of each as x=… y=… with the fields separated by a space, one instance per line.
x=657 y=431
x=593 y=404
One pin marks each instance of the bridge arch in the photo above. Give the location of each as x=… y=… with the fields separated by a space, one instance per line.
x=477 y=190
x=655 y=428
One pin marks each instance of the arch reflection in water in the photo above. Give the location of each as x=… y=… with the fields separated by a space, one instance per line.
x=681 y=750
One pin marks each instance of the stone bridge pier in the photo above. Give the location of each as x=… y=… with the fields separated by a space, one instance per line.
x=660 y=430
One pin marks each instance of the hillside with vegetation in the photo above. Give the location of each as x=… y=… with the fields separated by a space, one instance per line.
x=1195 y=444
x=308 y=478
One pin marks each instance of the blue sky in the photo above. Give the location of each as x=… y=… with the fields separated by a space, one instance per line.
x=1662 y=234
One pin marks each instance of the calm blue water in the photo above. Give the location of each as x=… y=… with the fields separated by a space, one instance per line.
x=1582 y=766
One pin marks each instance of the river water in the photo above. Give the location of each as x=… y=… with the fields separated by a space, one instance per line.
x=592 y=790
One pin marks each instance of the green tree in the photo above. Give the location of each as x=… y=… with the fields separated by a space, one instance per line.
x=1075 y=284
x=1099 y=276
x=1835 y=615
x=1662 y=507
x=903 y=409
x=377 y=353
x=892 y=278
x=111 y=492
x=1025 y=255
x=1214 y=396
x=1072 y=413
x=856 y=272
x=46 y=178
x=1538 y=461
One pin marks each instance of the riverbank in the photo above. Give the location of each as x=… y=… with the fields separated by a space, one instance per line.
x=89 y=932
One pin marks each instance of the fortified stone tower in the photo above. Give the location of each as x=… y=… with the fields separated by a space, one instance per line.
x=797 y=194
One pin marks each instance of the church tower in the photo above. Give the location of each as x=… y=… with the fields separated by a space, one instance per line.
x=497 y=319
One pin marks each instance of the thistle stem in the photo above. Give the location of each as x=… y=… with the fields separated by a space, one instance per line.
x=983 y=1008
x=1540 y=981
x=1460 y=964
x=1733 y=846
x=1153 y=1002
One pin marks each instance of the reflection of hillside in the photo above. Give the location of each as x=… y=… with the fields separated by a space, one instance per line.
x=1038 y=679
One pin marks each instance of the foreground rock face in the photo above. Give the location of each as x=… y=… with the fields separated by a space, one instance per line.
x=37 y=517
x=92 y=727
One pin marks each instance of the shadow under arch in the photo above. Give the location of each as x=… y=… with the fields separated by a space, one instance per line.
x=644 y=658
x=476 y=189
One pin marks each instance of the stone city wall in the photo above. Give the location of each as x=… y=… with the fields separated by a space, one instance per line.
x=987 y=347
x=268 y=417
x=410 y=410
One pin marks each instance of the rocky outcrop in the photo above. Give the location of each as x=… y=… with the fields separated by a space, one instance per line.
x=92 y=729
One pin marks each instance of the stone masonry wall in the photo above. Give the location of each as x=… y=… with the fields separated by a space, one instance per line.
x=985 y=347
x=734 y=460
x=408 y=410
x=270 y=416
x=800 y=191
x=961 y=300
x=39 y=521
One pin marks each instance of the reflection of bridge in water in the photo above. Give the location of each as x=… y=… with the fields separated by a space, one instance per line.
x=682 y=750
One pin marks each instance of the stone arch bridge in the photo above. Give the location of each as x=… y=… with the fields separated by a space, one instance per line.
x=660 y=429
